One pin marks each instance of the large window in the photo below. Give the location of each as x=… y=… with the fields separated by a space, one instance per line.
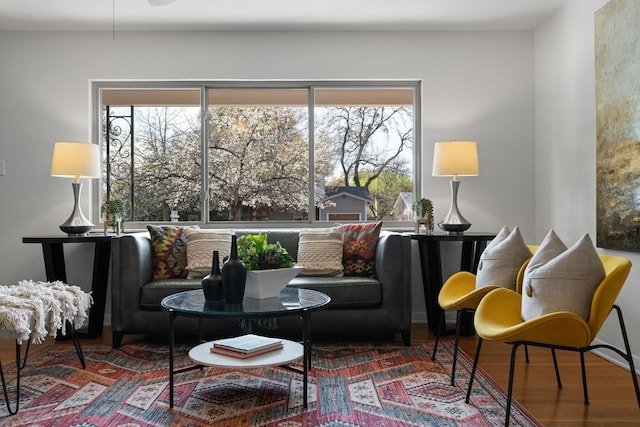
x=288 y=151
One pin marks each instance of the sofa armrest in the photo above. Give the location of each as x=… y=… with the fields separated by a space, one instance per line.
x=131 y=268
x=393 y=268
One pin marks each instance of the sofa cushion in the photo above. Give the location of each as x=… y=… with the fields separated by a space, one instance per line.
x=152 y=293
x=563 y=282
x=345 y=292
x=320 y=252
x=359 y=254
x=502 y=259
x=169 y=251
x=200 y=246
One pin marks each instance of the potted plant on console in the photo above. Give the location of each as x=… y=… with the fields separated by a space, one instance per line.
x=423 y=210
x=113 y=214
x=269 y=266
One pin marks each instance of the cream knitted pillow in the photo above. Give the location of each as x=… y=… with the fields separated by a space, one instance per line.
x=200 y=246
x=564 y=281
x=320 y=252
x=502 y=259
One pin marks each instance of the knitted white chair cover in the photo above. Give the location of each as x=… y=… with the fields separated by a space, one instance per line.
x=35 y=309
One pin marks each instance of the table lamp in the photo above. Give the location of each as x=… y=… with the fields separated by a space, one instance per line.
x=454 y=159
x=77 y=160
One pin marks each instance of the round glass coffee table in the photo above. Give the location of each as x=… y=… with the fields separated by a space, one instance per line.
x=290 y=302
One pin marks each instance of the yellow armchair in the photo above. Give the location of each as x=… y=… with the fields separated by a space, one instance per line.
x=459 y=293
x=498 y=318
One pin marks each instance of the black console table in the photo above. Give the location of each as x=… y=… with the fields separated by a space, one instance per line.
x=54 y=264
x=430 y=263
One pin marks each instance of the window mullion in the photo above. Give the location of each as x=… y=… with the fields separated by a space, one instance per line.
x=312 y=178
x=204 y=143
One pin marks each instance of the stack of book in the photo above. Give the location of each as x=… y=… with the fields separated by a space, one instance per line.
x=246 y=346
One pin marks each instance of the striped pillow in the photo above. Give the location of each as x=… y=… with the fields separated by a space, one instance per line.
x=200 y=246
x=320 y=252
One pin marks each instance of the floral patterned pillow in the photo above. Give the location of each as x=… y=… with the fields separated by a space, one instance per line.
x=359 y=248
x=169 y=245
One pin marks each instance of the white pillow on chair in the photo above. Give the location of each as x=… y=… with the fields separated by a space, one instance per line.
x=502 y=259
x=560 y=279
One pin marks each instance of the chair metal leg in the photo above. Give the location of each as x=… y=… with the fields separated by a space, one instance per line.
x=473 y=370
x=455 y=346
x=439 y=329
x=526 y=353
x=555 y=366
x=626 y=355
x=76 y=344
x=629 y=357
x=584 y=379
x=4 y=384
x=510 y=389
x=26 y=353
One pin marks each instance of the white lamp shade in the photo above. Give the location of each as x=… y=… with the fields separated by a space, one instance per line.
x=455 y=158
x=75 y=159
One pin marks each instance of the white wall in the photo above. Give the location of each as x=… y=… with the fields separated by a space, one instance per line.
x=565 y=147
x=477 y=85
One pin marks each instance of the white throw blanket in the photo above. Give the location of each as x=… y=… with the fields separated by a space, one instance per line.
x=35 y=309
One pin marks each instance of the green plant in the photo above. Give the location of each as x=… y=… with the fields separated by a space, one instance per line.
x=112 y=207
x=257 y=254
x=423 y=208
x=113 y=214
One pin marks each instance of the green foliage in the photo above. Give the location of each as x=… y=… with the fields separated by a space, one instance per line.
x=113 y=207
x=385 y=189
x=114 y=214
x=423 y=208
x=257 y=254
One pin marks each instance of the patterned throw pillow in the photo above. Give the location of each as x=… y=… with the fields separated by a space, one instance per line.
x=359 y=252
x=561 y=280
x=200 y=247
x=169 y=251
x=502 y=259
x=320 y=252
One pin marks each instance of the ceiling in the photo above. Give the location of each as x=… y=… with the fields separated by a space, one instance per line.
x=264 y=15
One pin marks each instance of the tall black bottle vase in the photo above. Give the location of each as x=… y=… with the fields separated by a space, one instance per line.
x=212 y=282
x=234 y=276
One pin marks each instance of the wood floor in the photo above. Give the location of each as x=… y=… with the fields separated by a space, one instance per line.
x=611 y=394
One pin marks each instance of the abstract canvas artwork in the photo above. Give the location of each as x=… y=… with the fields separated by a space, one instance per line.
x=617 y=62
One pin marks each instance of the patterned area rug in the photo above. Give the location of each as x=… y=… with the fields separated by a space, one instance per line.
x=352 y=385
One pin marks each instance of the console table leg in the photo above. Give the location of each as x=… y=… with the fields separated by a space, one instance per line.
x=54 y=265
x=101 y=259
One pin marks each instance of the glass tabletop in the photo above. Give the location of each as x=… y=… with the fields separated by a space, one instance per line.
x=290 y=300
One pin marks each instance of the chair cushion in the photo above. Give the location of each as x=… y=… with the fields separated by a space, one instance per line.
x=561 y=280
x=169 y=251
x=359 y=254
x=501 y=260
x=320 y=252
x=200 y=246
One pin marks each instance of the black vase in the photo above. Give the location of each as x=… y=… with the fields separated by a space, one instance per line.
x=212 y=282
x=234 y=276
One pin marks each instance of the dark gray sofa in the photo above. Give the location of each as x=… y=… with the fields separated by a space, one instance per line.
x=360 y=306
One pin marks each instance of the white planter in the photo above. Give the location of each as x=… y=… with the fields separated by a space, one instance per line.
x=268 y=283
